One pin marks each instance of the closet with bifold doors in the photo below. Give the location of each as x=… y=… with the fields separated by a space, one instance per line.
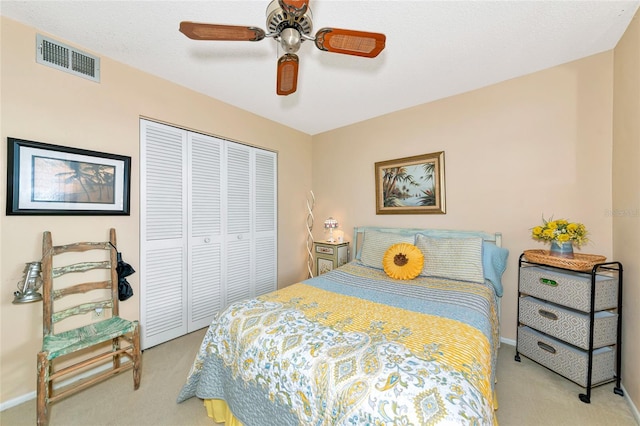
x=208 y=228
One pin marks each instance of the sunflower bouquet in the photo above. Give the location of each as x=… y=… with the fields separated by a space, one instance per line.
x=560 y=231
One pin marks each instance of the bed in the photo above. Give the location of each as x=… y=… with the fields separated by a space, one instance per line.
x=355 y=346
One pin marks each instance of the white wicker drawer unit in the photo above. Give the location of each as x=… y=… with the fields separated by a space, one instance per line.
x=565 y=359
x=567 y=324
x=569 y=321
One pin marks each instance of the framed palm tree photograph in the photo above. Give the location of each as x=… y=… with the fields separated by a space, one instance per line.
x=45 y=179
x=411 y=185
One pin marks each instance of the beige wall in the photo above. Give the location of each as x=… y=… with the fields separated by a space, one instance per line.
x=626 y=195
x=539 y=144
x=42 y=104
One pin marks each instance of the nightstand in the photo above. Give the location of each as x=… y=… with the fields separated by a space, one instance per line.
x=330 y=256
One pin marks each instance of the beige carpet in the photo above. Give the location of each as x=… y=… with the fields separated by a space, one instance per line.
x=528 y=395
x=532 y=395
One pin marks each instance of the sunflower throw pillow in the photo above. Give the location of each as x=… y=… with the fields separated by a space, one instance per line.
x=403 y=261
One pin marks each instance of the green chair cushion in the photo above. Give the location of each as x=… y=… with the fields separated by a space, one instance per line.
x=83 y=337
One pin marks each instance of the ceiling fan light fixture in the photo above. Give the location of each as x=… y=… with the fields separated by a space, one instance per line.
x=290 y=40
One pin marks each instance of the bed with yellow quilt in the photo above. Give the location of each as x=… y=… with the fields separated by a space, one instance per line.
x=355 y=346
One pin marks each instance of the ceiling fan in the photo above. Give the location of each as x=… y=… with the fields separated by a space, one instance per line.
x=290 y=23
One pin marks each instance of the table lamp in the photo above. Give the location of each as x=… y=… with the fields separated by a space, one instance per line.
x=330 y=224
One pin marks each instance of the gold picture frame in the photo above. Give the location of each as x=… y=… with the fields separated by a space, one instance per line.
x=411 y=185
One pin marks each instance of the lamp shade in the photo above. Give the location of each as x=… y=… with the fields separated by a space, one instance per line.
x=330 y=223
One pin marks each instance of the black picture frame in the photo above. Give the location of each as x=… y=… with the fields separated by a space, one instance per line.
x=46 y=179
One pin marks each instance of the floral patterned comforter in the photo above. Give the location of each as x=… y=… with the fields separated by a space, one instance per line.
x=354 y=347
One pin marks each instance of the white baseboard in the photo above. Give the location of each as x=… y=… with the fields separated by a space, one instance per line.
x=634 y=409
x=17 y=401
x=507 y=341
x=31 y=395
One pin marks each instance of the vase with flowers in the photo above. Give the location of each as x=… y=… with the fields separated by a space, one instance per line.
x=562 y=235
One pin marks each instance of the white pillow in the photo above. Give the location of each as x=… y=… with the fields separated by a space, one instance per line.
x=455 y=258
x=376 y=243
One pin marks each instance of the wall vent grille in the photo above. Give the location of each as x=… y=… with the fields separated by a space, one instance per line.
x=66 y=58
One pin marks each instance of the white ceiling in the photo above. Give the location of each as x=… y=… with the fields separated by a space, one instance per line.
x=434 y=49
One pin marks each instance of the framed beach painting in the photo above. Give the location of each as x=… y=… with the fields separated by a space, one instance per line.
x=45 y=179
x=411 y=185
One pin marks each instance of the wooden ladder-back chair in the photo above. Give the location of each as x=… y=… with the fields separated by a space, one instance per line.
x=89 y=335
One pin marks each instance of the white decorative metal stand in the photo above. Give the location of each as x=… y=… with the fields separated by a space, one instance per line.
x=310 y=205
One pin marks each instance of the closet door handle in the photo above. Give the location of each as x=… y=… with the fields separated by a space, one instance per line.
x=547 y=314
x=239 y=236
x=207 y=240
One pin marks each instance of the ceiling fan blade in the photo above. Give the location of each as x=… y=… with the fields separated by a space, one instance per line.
x=350 y=42
x=294 y=7
x=198 y=31
x=287 y=74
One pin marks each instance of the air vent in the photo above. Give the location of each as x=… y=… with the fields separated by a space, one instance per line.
x=66 y=58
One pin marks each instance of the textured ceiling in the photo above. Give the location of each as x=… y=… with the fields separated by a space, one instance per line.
x=434 y=49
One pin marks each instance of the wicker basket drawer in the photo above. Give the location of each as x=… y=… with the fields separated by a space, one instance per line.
x=567 y=324
x=571 y=289
x=566 y=360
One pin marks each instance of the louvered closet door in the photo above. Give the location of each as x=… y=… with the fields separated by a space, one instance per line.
x=205 y=229
x=163 y=229
x=208 y=228
x=251 y=261
x=238 y=230
x=265 y=236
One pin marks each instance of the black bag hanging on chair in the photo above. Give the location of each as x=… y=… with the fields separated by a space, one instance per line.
x=124 y=270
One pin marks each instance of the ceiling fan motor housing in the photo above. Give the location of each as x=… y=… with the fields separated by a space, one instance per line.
x=287 y=27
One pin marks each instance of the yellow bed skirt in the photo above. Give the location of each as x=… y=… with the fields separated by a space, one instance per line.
x=219 y=411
